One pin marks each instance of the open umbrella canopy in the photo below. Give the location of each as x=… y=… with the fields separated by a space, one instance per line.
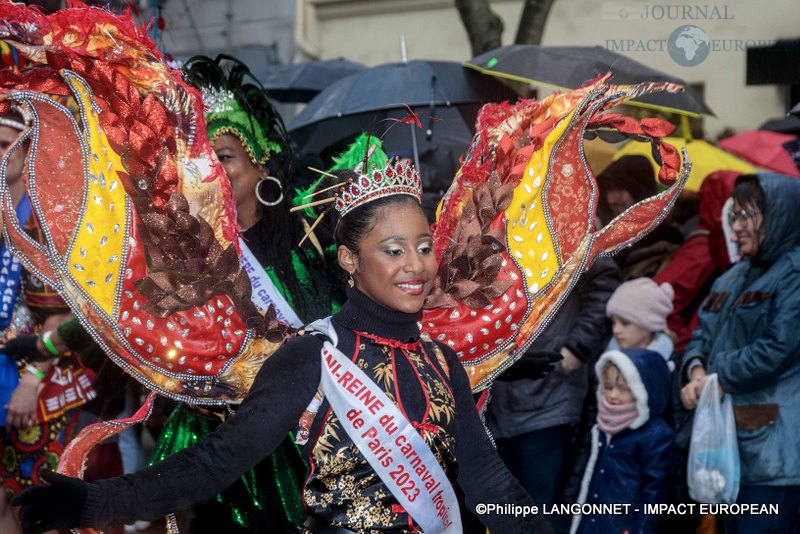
x=569 y=67
x=705 y=158
x=394 y=85
x=788 y=125
x=449 y=126
x=443 y=96
x=446 y=134
x=300 y=82
x=771 y=150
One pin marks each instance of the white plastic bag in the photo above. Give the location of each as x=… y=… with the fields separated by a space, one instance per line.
x=713 y=469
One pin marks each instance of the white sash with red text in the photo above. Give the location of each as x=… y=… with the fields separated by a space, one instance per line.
x=264 y=291
x=388 y=441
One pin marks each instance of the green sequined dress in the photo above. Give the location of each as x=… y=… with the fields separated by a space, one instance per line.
x=265 y=499
x=268 y=498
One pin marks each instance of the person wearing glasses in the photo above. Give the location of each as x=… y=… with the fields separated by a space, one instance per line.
x=748 y=337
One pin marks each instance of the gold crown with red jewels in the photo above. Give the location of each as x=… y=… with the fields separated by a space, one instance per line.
x=394 y=179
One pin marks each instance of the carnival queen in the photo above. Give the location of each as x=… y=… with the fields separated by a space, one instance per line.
x=392 y=436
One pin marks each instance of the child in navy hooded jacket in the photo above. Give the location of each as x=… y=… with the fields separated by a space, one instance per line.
x=632 y=446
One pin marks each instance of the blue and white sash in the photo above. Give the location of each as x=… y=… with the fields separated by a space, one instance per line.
x=388 y=441
x=264 y=290
x=11 y=270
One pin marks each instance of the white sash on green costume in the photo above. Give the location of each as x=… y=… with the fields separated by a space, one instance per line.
x=264 y=290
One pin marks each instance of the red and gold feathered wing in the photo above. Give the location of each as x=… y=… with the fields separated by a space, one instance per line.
x=140 y=234
x=517 y=227
x=140 y=231
x=137 y=213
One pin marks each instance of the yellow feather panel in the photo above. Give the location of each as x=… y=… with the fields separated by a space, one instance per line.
x=97 y=251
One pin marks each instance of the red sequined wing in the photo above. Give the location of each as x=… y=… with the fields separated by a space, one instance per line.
x=137 y=215
x=516 y=228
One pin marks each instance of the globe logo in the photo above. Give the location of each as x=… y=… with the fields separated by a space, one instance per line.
x=688 y=46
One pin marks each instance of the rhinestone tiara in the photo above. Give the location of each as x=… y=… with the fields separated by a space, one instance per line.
x=394 y=179
x=217 y=100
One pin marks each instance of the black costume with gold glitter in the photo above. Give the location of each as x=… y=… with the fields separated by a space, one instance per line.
x=342 y=490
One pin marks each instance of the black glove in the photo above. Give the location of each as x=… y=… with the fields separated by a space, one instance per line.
x=24 y=348
x=532 y=365
x=57 y=505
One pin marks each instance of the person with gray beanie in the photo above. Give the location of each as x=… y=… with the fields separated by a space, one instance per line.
x=638 y=310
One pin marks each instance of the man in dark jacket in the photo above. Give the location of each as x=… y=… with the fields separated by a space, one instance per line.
x=534 y=420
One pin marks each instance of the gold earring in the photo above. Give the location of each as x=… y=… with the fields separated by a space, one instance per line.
x=351 y=282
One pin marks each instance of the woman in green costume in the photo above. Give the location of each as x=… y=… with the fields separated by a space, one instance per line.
x=250 y=141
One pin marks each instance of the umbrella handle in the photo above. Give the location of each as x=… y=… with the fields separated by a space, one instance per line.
x=686 y=129
x=414 y=146
x=431 y=109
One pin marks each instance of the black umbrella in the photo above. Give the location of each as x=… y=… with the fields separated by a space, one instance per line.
x=446 y=133
x=300 y=82
x=395 y=85
x=444 y=96
x=788 y=124
x=569 y=67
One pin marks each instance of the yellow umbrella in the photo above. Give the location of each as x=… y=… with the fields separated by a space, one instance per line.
x=599 y=154
x=705 y=157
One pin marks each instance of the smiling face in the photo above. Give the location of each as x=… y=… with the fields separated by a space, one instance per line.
x=747 y=223
x=615 y=388
x=242 y=173
x=394 y=264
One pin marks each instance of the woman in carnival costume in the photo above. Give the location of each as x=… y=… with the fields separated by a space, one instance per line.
x=396 y=438
x=398 y=444
x=250 y=141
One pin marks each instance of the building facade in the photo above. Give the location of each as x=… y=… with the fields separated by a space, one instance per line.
x=369 y=31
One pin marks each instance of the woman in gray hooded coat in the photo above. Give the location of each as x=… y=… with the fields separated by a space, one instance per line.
x=748 y=336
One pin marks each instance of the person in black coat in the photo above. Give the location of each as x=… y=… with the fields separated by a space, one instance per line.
x=534 y=420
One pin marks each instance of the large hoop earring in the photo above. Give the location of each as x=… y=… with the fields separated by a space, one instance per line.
x=280 y=188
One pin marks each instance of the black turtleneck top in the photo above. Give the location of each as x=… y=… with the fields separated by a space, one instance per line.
x=427 y=381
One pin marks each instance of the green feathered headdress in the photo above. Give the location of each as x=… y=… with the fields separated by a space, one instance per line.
x=236 y=103
x=349 y=159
